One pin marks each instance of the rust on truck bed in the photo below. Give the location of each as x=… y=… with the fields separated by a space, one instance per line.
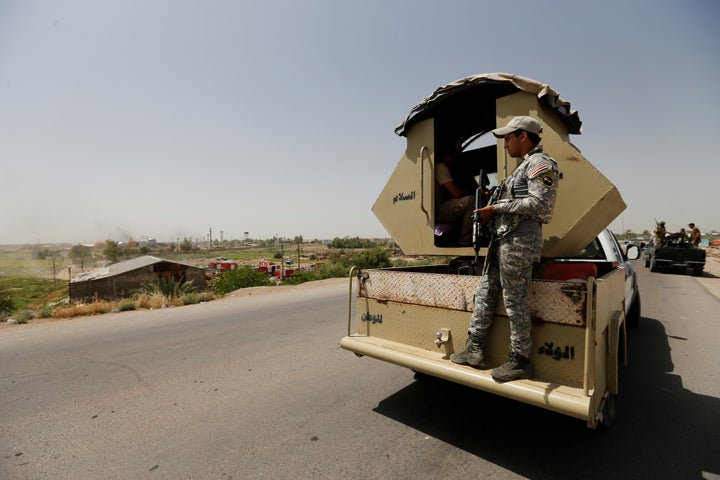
x=550 y=301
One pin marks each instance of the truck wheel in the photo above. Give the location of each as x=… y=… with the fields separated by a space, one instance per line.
x=423 y=377
x=622 y=341
x=633 y=316
x=609 y=412
x=653 y=265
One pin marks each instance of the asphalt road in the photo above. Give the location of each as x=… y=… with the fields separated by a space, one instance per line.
x=257 y=388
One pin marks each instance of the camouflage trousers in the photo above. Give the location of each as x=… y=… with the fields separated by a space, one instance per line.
x=508 y=273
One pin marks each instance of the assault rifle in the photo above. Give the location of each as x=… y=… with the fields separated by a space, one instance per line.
x=481 y=231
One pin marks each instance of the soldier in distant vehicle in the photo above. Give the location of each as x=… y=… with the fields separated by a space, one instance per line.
x=682 y=236
x=659 y=234
x=694 y=235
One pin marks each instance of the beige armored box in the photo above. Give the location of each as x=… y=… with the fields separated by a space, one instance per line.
x=460 y=116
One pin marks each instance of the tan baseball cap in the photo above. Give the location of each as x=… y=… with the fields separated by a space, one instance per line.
x=526 y=123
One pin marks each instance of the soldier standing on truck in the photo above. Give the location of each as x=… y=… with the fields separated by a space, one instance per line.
x=520 y=205
x=682 y=236
x=659 y=234
x=694 y=235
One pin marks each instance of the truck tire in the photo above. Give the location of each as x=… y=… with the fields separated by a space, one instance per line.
x=424 y=377
x=653 y=265
x=633 y=316
x=609 y=412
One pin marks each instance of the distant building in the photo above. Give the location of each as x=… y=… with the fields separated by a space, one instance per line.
x=122 y=279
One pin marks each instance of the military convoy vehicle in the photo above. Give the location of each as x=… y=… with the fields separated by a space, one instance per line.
x=675 y=254
x=580 y=302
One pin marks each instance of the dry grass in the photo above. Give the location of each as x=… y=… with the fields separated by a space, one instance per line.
x=98 y=307
x=151 y=301
x=80 y=309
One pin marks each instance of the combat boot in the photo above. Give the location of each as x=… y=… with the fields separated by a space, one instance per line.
x=472 y=355
x=516 y=366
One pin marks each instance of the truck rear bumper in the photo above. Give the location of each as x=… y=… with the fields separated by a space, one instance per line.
x=552 y=396
x=674 y=264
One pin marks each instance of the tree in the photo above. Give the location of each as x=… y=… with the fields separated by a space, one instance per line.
x=80 y=252
x=186 y=245
x=112 y=251
x=376 y=257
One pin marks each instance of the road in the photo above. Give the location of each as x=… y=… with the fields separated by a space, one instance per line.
x=256 y=387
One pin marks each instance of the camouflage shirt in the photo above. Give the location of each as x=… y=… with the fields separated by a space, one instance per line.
x=526 y=198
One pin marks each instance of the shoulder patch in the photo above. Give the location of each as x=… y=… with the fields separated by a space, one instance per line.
x=538 y=170
x=547 y=180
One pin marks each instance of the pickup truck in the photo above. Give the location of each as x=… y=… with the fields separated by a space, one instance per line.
x=607 y=248
x=675 y=254
x=583 y=293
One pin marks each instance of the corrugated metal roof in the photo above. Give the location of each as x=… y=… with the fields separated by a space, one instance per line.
x=133 y=264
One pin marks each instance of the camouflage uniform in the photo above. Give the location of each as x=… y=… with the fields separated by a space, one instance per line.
x=525 y=201
x=694 y=236
x=659 y=234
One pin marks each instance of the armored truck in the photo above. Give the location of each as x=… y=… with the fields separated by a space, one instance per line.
x=416 y=317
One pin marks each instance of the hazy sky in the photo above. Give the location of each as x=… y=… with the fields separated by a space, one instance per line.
x=166 y=118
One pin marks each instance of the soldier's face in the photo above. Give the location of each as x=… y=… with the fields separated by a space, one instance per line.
x=514 y=144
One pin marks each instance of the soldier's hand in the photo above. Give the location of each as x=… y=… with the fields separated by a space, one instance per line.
x=486 y=213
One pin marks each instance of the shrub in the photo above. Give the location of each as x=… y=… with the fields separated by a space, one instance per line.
x=193 y=298
x=23 y=316
x=149 y=301
x=45 y=312
x=170 y=288
x=301 y=277
x=333 y=270
x=242 y=277
x=126 y=305
x=7 y=305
